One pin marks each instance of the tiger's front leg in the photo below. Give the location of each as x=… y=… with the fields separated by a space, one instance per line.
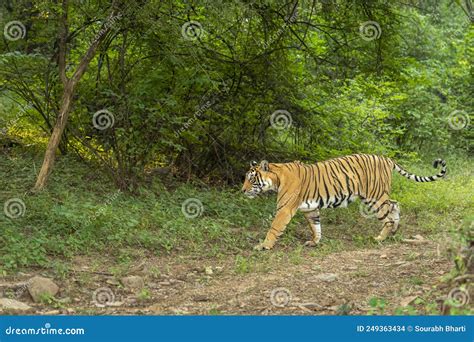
x=281 y=220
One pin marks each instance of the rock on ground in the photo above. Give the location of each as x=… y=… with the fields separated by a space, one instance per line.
x=327 y=277
x=133 y=282
x=13 y=305
x=39 y=287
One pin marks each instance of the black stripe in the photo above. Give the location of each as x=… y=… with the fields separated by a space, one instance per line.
x=328 y=195
x=316 y=181
x=341 y=188
x=361 y=169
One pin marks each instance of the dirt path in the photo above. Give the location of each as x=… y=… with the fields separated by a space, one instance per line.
x=338 y=283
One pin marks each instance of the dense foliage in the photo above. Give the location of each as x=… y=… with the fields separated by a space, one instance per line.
x=144 y=95
x=205 y=86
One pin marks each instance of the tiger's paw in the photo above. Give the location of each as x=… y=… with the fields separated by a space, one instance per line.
x=263 y=246
x=311 y=243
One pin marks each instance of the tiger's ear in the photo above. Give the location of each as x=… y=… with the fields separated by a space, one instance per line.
x=264 y=165
x=253 y=163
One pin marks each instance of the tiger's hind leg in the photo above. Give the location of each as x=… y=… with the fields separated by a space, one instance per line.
x=315 y=224
x=396 y=216
x=389 y=214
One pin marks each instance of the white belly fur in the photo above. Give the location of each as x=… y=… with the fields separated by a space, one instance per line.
x=311 y=205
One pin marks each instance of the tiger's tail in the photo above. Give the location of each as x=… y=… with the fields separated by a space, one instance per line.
x=416 y=178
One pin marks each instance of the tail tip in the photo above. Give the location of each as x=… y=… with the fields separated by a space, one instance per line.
x=437 y=162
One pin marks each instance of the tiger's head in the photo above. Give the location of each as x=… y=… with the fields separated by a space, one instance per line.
x=259 y=179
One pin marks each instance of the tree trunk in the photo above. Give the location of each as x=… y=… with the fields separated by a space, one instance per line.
x=68 y=92
x=50 y=154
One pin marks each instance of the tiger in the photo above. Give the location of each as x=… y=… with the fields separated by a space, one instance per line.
x=329 y=184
